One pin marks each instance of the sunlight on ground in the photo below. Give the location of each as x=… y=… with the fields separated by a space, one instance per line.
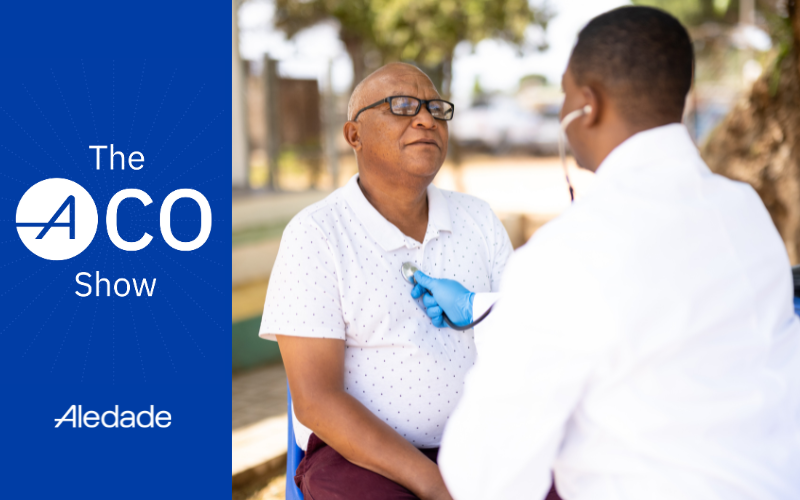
x=275 y=489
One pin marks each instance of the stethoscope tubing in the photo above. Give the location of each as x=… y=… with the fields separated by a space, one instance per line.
x=466 y=327
x=411 y=268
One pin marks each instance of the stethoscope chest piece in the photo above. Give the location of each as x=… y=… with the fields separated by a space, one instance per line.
x=407 y=270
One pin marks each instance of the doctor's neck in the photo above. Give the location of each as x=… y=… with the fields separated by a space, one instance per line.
x=594 y=135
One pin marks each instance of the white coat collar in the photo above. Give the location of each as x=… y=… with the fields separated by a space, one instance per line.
x=654 y=146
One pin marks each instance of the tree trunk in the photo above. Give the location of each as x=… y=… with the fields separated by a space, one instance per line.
x=453 y=147
x=759 y=141
x=707 y=9
x=355 y=49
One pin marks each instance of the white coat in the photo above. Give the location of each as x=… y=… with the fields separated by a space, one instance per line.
x=645 y=346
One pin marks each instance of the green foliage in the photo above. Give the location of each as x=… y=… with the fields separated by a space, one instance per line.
x=477 y=88
x=696 y=12
x=427 y=31
x=781 y=32
x=423 y=31
x=534 y=79
x=355 y=16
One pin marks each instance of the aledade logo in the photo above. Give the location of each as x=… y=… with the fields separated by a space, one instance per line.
x=57 y=220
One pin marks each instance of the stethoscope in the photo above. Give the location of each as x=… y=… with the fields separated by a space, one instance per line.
x=562 y=141
x=408 y=269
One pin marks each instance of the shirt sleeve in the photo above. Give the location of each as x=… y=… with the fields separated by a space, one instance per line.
x=502 y=252
x=542 y=342
x=482 y=302
x=303 y=298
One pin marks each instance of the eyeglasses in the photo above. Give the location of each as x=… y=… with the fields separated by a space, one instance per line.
x=403 y=105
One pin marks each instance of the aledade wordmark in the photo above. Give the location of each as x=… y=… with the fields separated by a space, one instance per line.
x=113 y=418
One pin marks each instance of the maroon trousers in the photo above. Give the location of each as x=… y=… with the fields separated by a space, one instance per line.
x=324 y=474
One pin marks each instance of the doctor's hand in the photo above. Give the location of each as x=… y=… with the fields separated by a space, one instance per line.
x=440 y=295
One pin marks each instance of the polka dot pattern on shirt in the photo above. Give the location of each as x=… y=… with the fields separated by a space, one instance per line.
x=335 y=278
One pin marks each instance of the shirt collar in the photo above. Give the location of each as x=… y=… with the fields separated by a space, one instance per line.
x=438 y=211
x=654 y=146
x=384 y=232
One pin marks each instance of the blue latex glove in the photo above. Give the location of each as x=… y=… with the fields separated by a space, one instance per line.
x=443 y=295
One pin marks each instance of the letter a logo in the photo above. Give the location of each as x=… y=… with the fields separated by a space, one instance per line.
x=69 y=203
x=56 y=219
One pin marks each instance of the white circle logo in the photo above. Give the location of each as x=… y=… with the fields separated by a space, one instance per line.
x=56 y=219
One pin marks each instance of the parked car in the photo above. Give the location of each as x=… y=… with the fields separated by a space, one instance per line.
x=501 y=125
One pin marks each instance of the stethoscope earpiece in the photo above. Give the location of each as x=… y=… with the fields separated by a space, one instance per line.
x=571 y=116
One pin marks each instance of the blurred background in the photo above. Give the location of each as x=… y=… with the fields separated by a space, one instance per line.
x=295 y=63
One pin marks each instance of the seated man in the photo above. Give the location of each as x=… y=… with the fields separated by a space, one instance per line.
x=373 y=381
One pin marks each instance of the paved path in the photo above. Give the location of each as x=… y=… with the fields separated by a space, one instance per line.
x=258 y=394
x=258 y=435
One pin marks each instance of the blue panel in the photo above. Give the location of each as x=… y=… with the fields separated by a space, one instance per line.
x=144 y=76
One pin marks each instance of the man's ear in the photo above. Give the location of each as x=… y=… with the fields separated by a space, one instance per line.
x=592 y=98
x=352 y=135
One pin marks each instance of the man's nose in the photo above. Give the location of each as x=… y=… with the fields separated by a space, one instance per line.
x=424 y=119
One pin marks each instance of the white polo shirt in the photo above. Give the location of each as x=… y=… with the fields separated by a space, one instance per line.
x=337 y=276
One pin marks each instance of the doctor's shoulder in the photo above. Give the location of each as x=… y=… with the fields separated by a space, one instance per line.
x=574 y=228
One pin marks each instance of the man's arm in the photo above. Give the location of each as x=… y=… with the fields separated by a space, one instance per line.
x=315 y=368
x=539 y=348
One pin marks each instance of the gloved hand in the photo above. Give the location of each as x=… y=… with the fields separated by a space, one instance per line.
x=443 y=295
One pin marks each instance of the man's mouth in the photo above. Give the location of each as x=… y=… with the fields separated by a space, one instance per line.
x=425 y=142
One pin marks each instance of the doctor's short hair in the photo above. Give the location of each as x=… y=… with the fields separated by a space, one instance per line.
x=642 y=57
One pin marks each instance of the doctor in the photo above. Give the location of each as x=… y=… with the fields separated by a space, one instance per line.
x=645 y=344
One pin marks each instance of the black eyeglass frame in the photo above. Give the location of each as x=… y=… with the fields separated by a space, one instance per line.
x=426 y=102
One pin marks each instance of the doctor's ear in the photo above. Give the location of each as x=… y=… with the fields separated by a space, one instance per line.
x=352 y=135
x=591 y=110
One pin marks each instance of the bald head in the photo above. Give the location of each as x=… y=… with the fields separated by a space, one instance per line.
x=378 y=85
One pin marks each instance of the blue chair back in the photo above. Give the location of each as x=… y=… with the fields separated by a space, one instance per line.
x=293 y=454
x=797 y=305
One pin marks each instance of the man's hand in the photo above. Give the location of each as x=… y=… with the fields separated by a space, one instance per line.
x=443 y=295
